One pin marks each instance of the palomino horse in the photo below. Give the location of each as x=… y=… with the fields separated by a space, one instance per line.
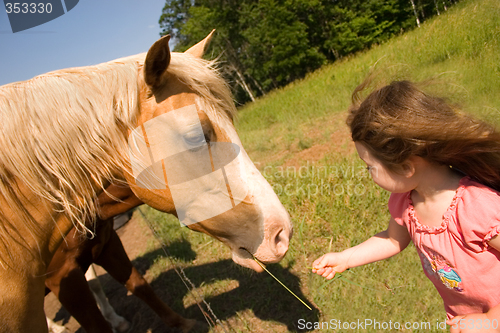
x=146 y=121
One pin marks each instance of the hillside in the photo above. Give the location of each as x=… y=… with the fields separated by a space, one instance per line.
x=461 y=48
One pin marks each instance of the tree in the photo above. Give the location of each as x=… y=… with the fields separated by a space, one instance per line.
x=265 y=44
x=197 y=18
x=261 y=44
x=173 y=18
x=278 y=50
x=351 y=26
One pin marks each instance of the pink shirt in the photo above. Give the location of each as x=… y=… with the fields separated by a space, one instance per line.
x=456 y=256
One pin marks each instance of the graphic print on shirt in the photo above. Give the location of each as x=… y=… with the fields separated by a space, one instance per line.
x=435 y=264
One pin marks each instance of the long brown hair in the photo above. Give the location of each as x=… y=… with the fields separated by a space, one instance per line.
x=400 y=120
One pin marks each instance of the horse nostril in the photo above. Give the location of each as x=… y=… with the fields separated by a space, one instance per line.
x=281 y=241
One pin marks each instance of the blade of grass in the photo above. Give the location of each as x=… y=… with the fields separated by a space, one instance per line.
x=330 y=245
x=291 y=292
x=336 y=277
x=301 y=238
x=339 y=276
x=343 y=278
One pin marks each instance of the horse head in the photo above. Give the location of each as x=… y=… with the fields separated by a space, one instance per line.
x=187 y=159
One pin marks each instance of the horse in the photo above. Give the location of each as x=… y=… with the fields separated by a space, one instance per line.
x=67 y=279
x=159 y=122
x=117 y=322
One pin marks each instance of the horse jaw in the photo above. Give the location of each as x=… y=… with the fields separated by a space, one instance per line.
x=275 y=223
x=247 y=262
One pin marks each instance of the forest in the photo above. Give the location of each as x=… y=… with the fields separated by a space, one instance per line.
x=262 y=45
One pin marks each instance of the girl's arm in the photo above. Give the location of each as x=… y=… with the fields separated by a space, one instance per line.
x=381 y=246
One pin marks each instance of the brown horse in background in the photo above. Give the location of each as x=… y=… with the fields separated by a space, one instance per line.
x=67 y=135
x=66 y=276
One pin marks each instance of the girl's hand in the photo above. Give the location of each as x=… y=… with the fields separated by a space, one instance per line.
x=474 y=322
x=329 y=264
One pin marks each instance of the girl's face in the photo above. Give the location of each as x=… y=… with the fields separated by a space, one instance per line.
x=382 y=176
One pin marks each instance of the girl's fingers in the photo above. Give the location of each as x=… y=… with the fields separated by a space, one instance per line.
x=317 y=262
x=318 y=270
x=328 y=271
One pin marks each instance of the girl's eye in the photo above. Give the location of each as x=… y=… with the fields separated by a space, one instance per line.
x=369 y=168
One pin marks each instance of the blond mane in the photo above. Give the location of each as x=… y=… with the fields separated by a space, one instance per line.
x=62 y=133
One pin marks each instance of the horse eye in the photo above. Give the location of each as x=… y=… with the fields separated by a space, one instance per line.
x=195 y=138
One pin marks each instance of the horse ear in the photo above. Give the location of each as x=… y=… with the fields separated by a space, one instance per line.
x=199 y=49
x=157 y=61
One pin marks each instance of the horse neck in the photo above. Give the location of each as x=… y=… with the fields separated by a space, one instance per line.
x=74 y=142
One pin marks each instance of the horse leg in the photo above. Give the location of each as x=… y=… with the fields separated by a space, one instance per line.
x=117 y=322
x=21 y=299
x=115 y=261
x=68 y=283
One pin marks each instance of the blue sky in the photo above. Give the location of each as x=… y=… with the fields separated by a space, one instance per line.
x=94 y=31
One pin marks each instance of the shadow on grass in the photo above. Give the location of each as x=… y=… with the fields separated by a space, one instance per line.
x=259 y=293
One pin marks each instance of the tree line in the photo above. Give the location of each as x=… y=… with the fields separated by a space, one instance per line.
x=266 y=44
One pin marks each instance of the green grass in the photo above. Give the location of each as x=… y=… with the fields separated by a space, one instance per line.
x=332 y=201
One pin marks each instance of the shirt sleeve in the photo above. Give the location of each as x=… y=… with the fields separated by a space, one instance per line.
x=478 y=216
x=397 y=206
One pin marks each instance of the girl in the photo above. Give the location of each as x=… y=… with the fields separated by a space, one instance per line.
x=443 y=170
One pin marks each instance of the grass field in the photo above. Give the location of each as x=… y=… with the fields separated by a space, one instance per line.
x=298 y=139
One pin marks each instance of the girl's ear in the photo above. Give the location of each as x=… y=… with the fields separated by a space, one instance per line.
x=408 y=167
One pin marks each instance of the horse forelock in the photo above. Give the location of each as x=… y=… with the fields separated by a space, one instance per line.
x=204 y=78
